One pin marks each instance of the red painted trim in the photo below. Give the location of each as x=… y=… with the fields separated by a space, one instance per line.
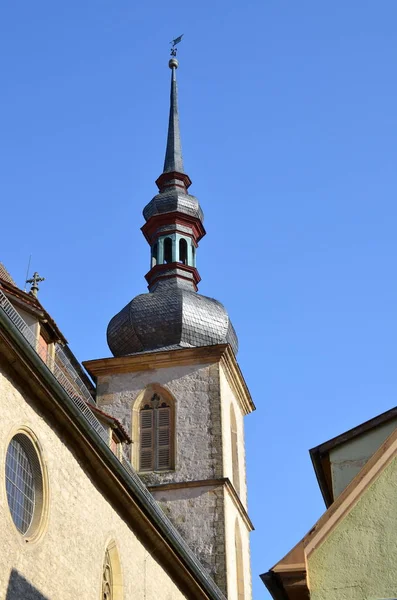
x=157 y=271
x=150 y=228
x=164 y=178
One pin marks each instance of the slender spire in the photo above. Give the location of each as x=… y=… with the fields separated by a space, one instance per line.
x=173 y=155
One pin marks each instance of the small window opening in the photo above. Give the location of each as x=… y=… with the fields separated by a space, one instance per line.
x=167 y=250
x=114 y=444
x=193 y=256
x=183 y=251
x=43 y=348
x=154 y=255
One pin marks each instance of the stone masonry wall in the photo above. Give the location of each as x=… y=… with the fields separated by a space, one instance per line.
x=198 y=513
x=197 y=416
x=202 y=397
x=66 y=562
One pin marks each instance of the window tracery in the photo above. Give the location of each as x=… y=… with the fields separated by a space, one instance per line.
x=107 y=578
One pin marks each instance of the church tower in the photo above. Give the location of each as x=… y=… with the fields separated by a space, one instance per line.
x=175 y=384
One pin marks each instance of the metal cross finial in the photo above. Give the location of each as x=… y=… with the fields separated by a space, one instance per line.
x=174 y=43
x=34 y=281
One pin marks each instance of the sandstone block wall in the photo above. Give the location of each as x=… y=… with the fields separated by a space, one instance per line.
x=197 y=416
x=232 y=516
x=202 y=514
x=199 y=515
x=228 y=398
x=66 y=562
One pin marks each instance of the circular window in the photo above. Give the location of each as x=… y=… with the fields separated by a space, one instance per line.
x=24 y=484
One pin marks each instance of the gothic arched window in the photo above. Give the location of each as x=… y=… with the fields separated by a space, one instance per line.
x=107 y=578
x=155 y=435
x=234 y=443
x=112 y=583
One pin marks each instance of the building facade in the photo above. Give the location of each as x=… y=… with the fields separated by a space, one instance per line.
x=351 y=551
x=133 y=486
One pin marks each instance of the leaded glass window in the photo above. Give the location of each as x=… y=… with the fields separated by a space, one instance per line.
x=20 y=484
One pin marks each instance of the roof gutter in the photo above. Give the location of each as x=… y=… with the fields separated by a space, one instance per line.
x=133 y=484
x=274 y=585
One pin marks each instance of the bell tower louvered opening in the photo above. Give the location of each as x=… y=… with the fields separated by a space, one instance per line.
x=155 y=440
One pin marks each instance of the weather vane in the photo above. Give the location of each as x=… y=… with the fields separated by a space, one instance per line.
x=174 y=43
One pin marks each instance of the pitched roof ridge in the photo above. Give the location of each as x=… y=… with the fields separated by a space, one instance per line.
x=320 y=454
x=387 y=415
x=351 y=494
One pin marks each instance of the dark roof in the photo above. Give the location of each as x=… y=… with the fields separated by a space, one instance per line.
x=320 y=454
x=4 y=274
x=287 y=580
x=31 y=304
x=170 y=316
x=274 y=585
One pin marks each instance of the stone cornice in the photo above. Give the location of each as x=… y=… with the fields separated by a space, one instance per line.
x=149 y=361
x=235 y=378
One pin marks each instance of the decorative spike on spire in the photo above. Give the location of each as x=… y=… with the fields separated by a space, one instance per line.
x=173 y=155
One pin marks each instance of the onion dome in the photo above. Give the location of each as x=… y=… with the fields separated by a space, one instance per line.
x=172 y=314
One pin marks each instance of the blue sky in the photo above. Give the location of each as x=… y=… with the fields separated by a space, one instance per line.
x=289 y=123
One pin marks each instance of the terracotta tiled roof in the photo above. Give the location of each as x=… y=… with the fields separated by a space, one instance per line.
x=119 y=426
x=4 y=274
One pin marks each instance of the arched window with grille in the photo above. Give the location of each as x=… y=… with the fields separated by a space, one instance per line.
x=235 y=453
x=156 y=434
x=112 y=585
